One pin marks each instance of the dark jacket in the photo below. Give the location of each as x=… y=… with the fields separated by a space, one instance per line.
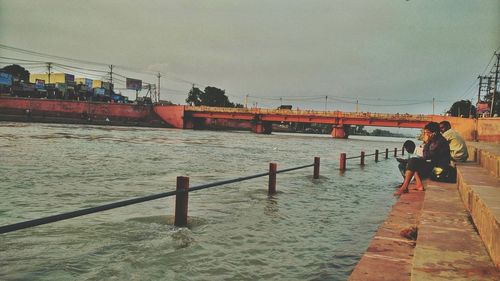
x=438 y=151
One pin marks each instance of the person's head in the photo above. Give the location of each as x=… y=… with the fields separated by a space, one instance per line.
x=409 y=146
x=444 y=126
x=430 y=130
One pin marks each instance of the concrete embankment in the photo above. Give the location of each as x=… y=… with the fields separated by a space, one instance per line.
x=78 y=112
x=458 y=234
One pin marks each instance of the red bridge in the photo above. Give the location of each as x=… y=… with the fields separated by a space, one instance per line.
x=260 y=120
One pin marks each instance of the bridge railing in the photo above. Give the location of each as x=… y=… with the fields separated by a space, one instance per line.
x=336 y=114
x=182 y=191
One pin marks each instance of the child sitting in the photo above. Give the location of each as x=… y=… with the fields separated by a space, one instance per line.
x=409 y=147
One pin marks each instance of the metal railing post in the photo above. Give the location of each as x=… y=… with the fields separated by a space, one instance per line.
x=316 y=167
x=342 y=161
x=272 y=178
x=386 y=153
x=181 y=202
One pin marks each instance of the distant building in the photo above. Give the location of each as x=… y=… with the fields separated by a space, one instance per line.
x=89 y=83
x=53 y=78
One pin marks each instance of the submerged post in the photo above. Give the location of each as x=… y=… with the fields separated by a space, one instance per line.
x=395 y=152
x=342 y=161
x=376 y=155
x=181 y=201
x=316 y=168
x=272 y=179
x=362 y=158
x=386 y=153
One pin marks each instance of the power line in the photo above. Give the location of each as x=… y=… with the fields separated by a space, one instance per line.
x=17 y=59
x=34 y=53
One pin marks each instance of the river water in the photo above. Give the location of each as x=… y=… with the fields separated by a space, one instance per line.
x=310 y=230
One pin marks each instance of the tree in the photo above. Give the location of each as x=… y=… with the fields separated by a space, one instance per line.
x=211 y=97
x=194 y=96
x=463 y=108
x=215 y=97
x=18 y=72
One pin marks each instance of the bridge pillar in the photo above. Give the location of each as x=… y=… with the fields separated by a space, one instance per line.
x=260 y=127
x=340 y=131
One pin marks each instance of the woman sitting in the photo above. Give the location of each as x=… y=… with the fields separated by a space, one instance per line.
x=436 y=153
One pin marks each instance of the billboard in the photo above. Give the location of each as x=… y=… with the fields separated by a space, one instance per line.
x=69 y=78
x=88 y=84
x=5 y=79
x=39 y=84
x=99 y=91
x=134 y=84
x=482 y=107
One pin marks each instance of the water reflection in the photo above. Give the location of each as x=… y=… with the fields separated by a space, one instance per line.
x=271 y=207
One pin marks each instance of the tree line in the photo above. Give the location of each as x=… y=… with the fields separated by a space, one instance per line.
x=211 y=96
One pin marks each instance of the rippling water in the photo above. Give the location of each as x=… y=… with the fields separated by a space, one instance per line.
x=311 y=230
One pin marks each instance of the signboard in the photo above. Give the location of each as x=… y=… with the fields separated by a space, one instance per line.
x=28 y=87
x=69 y=78
x=62 y=87
x=106 y=85
x=88 y=84
x=134 y=84
x=39 y=84
x=5 y=79
x=482 y=107
x=99 y=91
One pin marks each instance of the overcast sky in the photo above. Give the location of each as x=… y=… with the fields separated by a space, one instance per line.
x=396 y=53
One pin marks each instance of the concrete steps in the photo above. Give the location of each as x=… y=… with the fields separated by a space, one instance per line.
x=458 y=228
x=389 y=255
x=448 y=246
x=479 y=187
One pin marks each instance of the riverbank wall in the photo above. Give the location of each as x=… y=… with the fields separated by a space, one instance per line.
x=174 y=116
x=78 y=112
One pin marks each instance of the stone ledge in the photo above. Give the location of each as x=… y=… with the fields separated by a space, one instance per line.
x=487 y=155
x=389 y=256
x=480 y=193
x=448 y=247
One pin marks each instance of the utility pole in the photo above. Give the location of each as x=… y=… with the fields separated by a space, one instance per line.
x=326 y=102
x=111 y=74
x=246 y=100
x=479 y=90
x=158 y=89
x=484 y=86
x=49 y=67
x=433 y=105
x=357 y=105
x=281 y=101
x=495 y=86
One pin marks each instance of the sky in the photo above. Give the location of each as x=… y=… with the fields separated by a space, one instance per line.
x=390 y=56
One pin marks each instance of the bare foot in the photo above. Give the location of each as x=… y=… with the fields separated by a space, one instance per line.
x=400 y=191
x=420 y=188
